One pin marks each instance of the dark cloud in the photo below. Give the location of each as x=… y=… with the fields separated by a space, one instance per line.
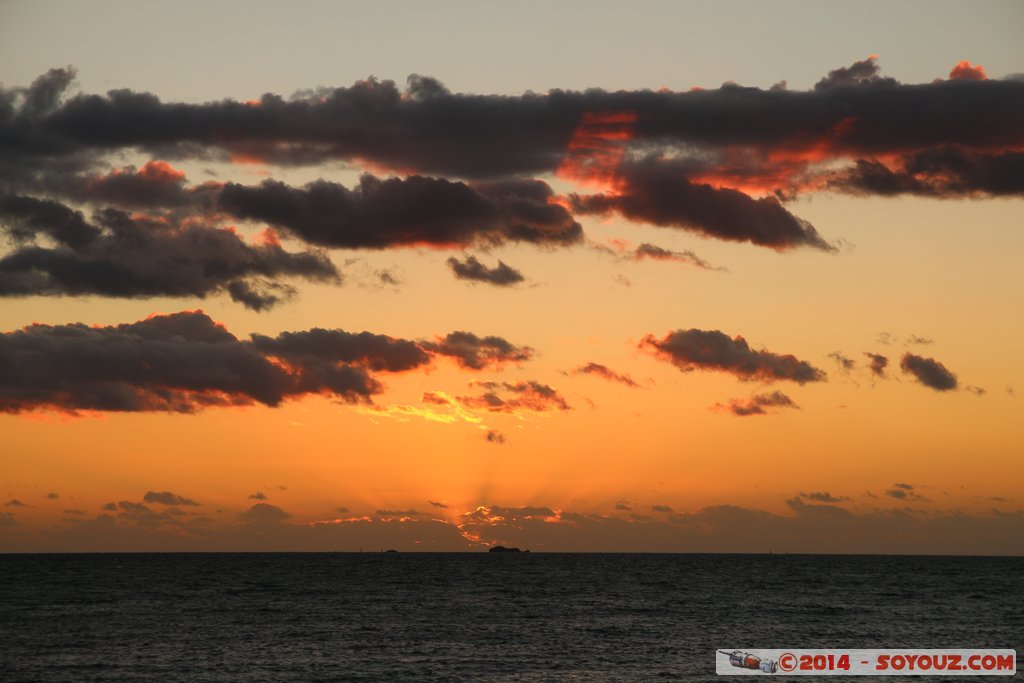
x=508 y=397
x=977 y=391
x=144 y=516
x=760 y=404
x=919 y=341
x=136 y=256
x=905 y=492
x=661 y=508
x=428 y=128
x=502 y=275
x=157 y=185
x=319 y=348
x=659 y=193
x=492 y=436
x=928 y=372
x=599 y=370
x=25 y=218
x=656 y=253
x=184 y=362
x=259 y=495
x=265 y=513
x=476 y=353
x=941 y=172
x=717 y=162
x=878 y=363
x=110 y=507
x=623 y=505
x=842 y=362
x=697 y=349
x=52 y=496
x=167 y=498
x=414 y=211
x=14 y=503
x=806 y=527
x=823 y=497
x=438 y=505
x=860 y=73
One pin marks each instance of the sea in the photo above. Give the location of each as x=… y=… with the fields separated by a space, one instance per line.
x=481 y=616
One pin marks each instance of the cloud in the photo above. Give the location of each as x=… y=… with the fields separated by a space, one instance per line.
x=438 y=505
x=928 y=372
x=138 y=256
x=966 y=70
x=259 y=495
x=397 y=513
x=697 y=349
x=319 y=348
x=860 y=73
x=905 y=492
x=428 y=128
x=492 y=436
x=265 y=513
x=407 y=212
x=806 y=527
x=502 y=275
x=720 y=163
x=661 y=508
x=185 y=362
x=647 y=251
x=475 y=353
x=527 y=395
x=167 y=498
x=842 y=362
x=759 y=404
x=156 y=185
x=14 y=503
x=52 y=496
x=623 y=505
x=659 y=193
x=823 y=497
x=603 y=371
x=878 y=363
x=656 y=253
x=945 y=172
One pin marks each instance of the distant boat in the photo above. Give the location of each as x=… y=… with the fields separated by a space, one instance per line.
x=391 y=550
x=503 y=549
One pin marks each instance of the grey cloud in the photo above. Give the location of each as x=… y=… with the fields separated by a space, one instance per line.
x=502 y=275
x=167 y=498
x=929 y=372
x=697 y=349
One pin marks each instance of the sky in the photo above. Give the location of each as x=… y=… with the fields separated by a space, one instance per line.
x=659 y=277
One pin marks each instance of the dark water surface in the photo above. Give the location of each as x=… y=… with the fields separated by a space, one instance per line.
x=479 y=617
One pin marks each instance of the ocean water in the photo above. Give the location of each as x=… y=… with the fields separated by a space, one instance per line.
x=479 y=617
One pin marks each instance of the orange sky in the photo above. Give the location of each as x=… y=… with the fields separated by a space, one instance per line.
x=650 y=455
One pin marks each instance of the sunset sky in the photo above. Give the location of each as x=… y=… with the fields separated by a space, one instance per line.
x=715 y=276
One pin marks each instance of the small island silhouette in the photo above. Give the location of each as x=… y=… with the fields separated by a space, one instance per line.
x=503 y=549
